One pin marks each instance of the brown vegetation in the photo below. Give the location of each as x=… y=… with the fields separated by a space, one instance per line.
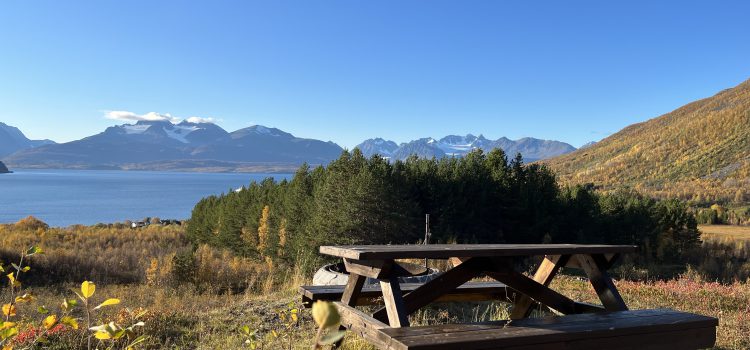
x=698 y=152
x=204 y=298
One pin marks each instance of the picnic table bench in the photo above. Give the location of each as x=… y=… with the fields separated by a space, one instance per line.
x=582 y=326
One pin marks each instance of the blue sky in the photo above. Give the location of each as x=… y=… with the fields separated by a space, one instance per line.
x=350 y=70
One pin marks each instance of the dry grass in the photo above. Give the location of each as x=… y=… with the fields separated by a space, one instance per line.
x=197 y=316
x=724 y=232
x=184 y=319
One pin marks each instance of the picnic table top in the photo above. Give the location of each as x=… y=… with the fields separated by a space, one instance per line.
x=444 y=251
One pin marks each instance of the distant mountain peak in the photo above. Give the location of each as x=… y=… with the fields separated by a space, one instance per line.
x=261 y=130
x=13 y=140
x=157 y=144
x=379 y=146
x=458 y=146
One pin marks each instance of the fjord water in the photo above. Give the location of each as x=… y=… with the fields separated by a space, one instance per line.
x=67 y=197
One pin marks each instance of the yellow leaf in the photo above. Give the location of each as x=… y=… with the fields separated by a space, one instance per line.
x=87 y=289
x=13 y=281
x=9 y=310
x=24 y=298
x=102 y=335
x=6 y=325
x=50 y=321
x=325 y=314
x=70 y=322
x=108 y=302
x=8 y=347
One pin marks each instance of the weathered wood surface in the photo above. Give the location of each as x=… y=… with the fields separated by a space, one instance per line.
x=595 y=267
x=394 y=303
x=471 y=291
x=353 y=289
x=642 y=329
x=433 y=289
x=363 y=325
x=383 y=268
x=535 y=290
x=446 y=251
x=547 y=270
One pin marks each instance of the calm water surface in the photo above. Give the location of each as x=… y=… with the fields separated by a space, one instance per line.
x=66 y=197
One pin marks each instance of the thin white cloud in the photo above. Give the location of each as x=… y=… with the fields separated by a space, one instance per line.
x=201 y=120
x=152 y=116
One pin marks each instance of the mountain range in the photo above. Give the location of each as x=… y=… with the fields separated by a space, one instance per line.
x=454 y=145
x=13 y=140
x=699 y=152
x=164 y=145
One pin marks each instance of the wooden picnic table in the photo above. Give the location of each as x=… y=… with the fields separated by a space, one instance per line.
x=473 y=260
x=609 y=325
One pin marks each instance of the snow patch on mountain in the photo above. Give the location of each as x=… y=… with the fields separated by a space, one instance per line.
x=179 y=132
x=135 y=129
x=459 y=146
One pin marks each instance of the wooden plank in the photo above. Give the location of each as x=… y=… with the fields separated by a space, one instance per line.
x=595 y=268
x=470 y=291
x=446 y=251
x=394 y=303
x=535 y=290
x=353 y=289
x=541 y=338
x=560 y=330
x=547 y=270
x=440 y=285
x=588 y=318
x=686 y=339
x=363 y=325
x=369 y=268
x=380 y=268
x=350 y=295
x=455 y=261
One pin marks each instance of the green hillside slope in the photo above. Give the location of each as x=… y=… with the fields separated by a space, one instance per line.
x=700 y=152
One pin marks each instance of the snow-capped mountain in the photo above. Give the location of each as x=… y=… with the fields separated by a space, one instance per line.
x=13 y=140
x=152 y=144
x=423 y=148
x=184 y=132
x=454 y=145
x=379 y=146
x=458 y=146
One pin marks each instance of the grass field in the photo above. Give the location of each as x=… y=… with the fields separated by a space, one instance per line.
x=206 y=311
x=184 y=319
x=724 y=232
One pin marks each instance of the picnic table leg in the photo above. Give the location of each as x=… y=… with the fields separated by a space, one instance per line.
x=353 y=289
x=394 y=303
x=544 y=275
x=351 y=294
x=595 y=267
x=440 y=285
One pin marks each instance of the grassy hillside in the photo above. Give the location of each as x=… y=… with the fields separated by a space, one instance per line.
x=699 y=152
